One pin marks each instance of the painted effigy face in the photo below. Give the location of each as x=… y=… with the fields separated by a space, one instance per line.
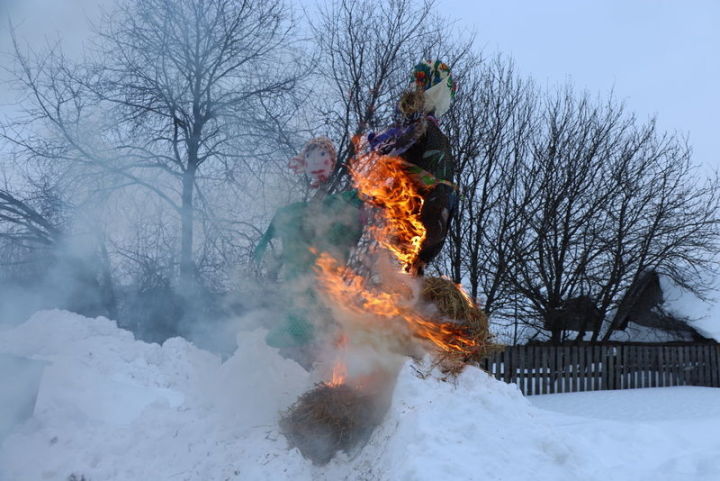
x=319 y=163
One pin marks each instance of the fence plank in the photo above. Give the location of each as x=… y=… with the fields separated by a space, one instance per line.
x=654 y=366
x=629 y=380
x=587 y=363
x=705 y=365
x=681 y=365
x=543 y=370
x=715 y=365
x=552 y=370
x=700 y=353
x=627 y=364
x=529 y=379
x=601 y=366
x=595 y=368
x=676 y=365
x=537 y=376
x=591 y=369
x=506 y=366
x=574 y=375
x=520 y=368
x=582 y=368
x=608 y=366
x=567 y=377
x=560 y=369
x=643 y=371
x=691 y=369
x=540 y=371
x=709 y=368
x=619 y=364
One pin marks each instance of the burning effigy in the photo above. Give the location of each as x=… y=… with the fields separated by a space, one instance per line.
x=374 y=304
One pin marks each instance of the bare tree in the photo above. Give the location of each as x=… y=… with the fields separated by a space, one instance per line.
x=178 y=90
x=184 y=72
x=611 y=199
x=365 y=53
x=488 y=129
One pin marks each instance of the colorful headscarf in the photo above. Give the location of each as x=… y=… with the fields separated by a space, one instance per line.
x=437 y=82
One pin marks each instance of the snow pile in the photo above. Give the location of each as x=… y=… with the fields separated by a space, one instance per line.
x=112 y=408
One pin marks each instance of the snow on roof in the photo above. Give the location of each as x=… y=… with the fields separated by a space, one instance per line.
x=702 y=315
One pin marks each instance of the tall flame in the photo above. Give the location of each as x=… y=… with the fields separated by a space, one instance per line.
x=383 y=182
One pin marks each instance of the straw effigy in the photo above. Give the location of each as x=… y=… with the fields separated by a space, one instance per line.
x=452 y=303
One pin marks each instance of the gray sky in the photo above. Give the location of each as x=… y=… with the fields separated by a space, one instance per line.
x=661 y=57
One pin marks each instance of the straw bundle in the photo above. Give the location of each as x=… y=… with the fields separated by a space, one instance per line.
x=328 y=419
x=452 y=303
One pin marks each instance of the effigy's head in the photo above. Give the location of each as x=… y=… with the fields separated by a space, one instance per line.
x=432 y=81
x=316 y=160
x=320 y=156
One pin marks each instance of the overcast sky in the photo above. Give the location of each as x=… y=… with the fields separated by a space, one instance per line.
x=661 y=57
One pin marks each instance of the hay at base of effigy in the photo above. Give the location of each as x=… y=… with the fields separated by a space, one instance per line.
x=452 y=303
x=338 y=417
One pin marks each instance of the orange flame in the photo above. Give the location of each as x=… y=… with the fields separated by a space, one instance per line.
x=383 y=182
x=339 y=374
x=349 y=291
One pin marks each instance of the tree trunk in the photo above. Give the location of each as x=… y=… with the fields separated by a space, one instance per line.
x=187 y=266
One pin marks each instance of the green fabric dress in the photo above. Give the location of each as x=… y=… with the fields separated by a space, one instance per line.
x=331 y=225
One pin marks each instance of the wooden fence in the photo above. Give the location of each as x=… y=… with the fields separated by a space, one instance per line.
x=558 y=369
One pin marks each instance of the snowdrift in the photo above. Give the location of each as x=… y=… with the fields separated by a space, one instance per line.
x=113 y=408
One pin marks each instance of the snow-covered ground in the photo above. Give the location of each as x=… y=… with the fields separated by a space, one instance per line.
x=112 y=408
